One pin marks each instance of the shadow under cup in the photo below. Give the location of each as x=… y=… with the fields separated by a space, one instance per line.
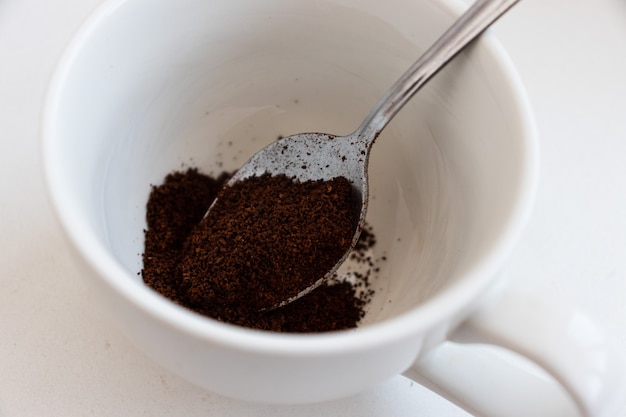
x=148 y=87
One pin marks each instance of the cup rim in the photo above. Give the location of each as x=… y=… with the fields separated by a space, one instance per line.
x=437 y=309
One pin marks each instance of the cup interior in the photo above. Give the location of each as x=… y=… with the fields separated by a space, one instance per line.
x=153 y=86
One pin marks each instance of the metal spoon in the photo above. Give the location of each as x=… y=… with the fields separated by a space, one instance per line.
x=314 y=156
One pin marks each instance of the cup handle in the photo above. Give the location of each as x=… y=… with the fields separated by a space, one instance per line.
x=553 y=335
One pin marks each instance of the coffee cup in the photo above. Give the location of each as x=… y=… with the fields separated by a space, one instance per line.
x=149 y=86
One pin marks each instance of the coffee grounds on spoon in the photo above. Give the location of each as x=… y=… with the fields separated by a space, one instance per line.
x=266 y=239
x=182 y=253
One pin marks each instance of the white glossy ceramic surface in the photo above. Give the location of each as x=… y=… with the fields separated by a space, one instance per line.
x=147 y=86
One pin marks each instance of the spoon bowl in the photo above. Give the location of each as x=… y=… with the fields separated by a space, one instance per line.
x=311 y=157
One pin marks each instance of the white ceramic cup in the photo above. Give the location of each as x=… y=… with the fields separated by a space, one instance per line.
x=148 y=86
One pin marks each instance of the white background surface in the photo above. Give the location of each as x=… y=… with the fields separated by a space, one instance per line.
x=59 y=356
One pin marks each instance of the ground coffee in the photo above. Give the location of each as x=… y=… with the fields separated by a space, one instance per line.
x=266 y=239
x=188 y=261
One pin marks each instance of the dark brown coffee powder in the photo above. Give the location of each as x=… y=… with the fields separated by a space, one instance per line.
x=191 y=262
x=266 y=239
x=173 y=209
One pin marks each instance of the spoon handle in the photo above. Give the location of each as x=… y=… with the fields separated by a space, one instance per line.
x=465 y=29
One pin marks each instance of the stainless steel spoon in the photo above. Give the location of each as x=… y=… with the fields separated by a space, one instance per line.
x=314 y=156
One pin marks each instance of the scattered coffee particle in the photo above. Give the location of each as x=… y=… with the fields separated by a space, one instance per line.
x=174 y=213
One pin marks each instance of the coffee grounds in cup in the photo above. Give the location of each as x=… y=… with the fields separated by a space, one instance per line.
x=174 y=213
